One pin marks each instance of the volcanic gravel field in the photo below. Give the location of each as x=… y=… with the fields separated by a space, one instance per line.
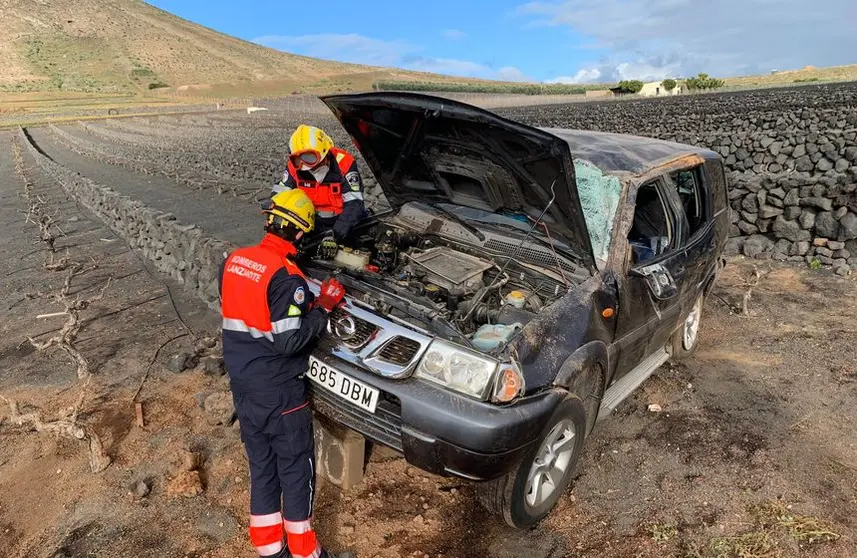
x=753 y=452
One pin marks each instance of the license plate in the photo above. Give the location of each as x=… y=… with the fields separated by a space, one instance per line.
x=346 y=387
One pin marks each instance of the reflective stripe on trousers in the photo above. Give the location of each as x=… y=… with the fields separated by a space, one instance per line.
x=266 y=533
x=302 y=540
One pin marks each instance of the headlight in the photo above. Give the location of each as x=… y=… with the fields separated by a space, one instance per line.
x=458 y=368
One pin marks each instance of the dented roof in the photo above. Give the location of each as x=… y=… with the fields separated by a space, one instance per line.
x=623 y=153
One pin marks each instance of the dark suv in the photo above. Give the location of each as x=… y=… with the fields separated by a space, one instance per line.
x=523 y=283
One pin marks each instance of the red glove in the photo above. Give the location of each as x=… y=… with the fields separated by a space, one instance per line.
x=331 y=294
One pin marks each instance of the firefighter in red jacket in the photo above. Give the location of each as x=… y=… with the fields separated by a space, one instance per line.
x=331 y=179
x=270 y=323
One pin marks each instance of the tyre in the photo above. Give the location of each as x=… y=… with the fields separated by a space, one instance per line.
x=527 y=494
x=686 y=338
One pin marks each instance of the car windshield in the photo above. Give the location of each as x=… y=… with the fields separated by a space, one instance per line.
x=599 y=194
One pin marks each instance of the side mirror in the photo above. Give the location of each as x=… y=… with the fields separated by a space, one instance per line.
x=659 y=280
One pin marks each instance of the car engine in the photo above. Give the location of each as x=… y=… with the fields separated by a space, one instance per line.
x=456 y=291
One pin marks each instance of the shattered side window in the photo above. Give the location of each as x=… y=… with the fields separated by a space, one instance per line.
x=599 y=198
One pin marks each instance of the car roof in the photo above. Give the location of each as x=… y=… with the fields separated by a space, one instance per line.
x=623 y=153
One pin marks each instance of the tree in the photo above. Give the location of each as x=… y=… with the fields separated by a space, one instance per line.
x=632 y=85
x=669 y=84
x=703 y=81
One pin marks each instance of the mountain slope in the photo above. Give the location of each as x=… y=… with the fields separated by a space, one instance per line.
x=128 y=45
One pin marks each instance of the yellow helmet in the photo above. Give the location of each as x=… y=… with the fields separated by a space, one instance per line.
x=309 y=146
x=291 y=206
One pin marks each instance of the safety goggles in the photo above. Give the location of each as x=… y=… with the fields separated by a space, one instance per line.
x=307 y=158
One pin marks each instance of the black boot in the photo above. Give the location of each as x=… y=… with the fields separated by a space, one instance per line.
x=282 y=554
x=346 y=554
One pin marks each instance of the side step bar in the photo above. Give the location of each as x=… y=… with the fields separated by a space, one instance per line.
x=623 y=387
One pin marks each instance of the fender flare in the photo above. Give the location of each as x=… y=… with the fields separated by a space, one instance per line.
x=586 y=366
x=594 y=352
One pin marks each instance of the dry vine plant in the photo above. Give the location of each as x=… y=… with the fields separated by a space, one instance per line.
x=68 y=423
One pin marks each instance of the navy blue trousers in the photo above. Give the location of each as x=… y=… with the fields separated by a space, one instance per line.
x=277 y=431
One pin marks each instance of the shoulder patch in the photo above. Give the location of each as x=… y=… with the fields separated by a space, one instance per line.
x=300 y=295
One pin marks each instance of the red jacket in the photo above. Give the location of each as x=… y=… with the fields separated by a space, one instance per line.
x=269 y=324
x=338 y=197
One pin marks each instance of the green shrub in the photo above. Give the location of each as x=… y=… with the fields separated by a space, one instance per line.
x=498 y=88
x=632 y=85
x=157 y=85
x=669 y=84
x=142 y=73
x=703 y=81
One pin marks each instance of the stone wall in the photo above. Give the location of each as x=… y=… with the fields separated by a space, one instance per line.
x=791 y=157
x=184 y=252
x=795 y=217
x=190 y=256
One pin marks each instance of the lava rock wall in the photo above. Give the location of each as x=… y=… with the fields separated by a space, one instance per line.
x=182 y=251
x=790 y=155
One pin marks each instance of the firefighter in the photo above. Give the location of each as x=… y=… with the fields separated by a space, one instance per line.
x=270 y=323
x=332 y=181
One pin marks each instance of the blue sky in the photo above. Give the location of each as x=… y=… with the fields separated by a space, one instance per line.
x=571 y=41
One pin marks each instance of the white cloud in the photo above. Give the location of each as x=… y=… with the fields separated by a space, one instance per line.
x=585 y=75
x=654 y=39
x=359 y=49
x=454 y=34
x=440 y=65
x=511 y=73
x=353 y=48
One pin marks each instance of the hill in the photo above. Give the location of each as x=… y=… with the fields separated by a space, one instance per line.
x=807 y=74
x=128 y=46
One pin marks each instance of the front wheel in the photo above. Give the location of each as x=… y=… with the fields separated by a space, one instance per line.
x=686 y=337
x=527 y=495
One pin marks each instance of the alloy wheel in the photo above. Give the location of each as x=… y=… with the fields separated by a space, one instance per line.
x=551 y=463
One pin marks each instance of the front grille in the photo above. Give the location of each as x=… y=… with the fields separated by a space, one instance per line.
x=364 y=330
x=384 y=426
x=400 y=350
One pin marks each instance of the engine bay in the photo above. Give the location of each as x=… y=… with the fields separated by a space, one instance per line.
x=456 y=291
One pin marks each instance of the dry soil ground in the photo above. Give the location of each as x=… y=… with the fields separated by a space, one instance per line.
x=753 y=453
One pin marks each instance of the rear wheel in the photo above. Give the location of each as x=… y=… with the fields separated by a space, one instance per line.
x=686 y=337
x=526 y=495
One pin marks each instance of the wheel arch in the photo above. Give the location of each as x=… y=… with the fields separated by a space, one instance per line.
x=594 y=353
x=585 y=374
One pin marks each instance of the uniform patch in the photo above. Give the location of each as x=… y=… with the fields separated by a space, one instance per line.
x=300 y=295
x=354 y=180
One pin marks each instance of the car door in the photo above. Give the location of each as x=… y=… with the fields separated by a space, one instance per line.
x=649 y=308
x=693 y=199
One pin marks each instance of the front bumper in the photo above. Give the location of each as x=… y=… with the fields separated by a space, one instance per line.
x=437 y=430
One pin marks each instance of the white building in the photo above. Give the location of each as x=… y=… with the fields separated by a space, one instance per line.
x=656 y=89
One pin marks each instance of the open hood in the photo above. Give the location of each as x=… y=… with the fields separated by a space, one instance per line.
x=426 y=148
